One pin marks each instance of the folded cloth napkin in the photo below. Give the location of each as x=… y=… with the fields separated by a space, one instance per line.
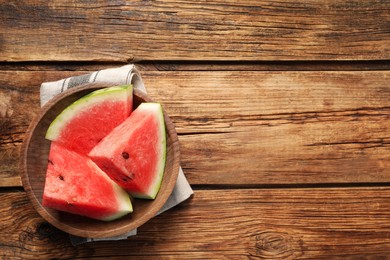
x=117 y=76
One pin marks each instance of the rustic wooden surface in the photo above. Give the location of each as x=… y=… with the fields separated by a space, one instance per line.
x=291 y=127
x=231 y=224
x=194 y=30
x=282 y=110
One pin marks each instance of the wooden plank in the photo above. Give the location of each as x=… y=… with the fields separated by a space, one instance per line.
x=350 y=65
x=248 y=127
x=268 y=223
x=339 y=65
x=279 y=127
x=19 y=104
x=194 y=30
x=10 y=181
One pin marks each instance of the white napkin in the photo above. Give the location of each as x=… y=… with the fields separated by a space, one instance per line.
x=118 y=76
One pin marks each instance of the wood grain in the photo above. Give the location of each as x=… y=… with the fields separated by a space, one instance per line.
x=19 y=104
x=279 y=127
x=329 y=65
x=248 y=127
x=228 y=224
x=194 y=30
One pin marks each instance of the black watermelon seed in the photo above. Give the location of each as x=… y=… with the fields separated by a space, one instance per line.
x=50 y=161
x=61 y=177
x=126 y=178
x=125 y=155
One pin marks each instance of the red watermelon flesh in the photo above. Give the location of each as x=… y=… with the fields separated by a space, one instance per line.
x=84 y=123
x=133 y=154
x=77 y=185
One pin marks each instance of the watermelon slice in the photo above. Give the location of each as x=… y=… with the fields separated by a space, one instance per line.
x=133 y=154
x=77 y=185
x=81 y=125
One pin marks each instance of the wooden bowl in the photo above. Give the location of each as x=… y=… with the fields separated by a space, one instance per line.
x=35 y=151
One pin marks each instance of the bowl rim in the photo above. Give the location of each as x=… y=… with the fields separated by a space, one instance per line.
x=170 y=131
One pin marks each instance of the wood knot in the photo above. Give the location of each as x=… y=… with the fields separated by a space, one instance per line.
x=45 y=230
x=276 y=245
x=272 y=242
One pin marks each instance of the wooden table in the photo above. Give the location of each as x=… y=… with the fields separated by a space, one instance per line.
x=282 y=110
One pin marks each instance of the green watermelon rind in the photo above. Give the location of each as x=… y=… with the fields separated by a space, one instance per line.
x=95 y=97
x=122 y=202
x=125 y=205
x=155 y=187
x=123 y=199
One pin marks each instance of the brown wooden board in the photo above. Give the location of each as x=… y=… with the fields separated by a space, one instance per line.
x=229 y=224
x=246 y=127
x=19 y=104
x=194 y=30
